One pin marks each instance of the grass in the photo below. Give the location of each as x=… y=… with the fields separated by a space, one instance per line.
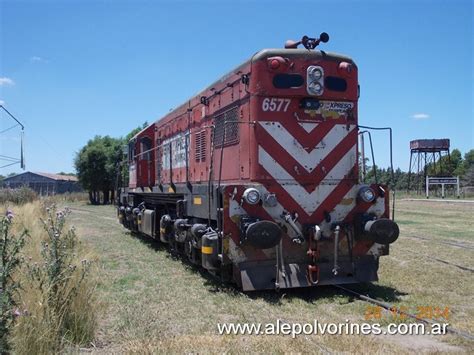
x=426 y=281
x=56 y=310
x=438 y=220
x=155 y=303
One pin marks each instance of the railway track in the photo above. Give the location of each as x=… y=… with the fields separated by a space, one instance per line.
x=459 y=245
x=392 y=308
x=429 y=257
x=465 y=268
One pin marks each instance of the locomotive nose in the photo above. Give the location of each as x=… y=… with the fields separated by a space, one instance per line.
x=382 y=231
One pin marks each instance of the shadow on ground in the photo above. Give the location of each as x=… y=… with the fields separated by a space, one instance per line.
x=307 y=294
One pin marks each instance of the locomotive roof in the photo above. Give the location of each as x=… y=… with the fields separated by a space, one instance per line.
x=284 y=52
x=262 y=54
x=298 y=52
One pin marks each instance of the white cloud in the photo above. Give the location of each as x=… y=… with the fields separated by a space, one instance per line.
x=6 y=81
x=420 y=116
x=2 y=102
x=36 y=59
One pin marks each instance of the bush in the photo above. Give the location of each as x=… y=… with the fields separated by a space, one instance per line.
x=57 y=298
x=18 y=196
x=66 y=197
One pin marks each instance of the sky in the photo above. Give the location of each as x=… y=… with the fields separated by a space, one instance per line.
x=70 y=70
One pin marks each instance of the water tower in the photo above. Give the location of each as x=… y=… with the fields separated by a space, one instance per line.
x=424 y=152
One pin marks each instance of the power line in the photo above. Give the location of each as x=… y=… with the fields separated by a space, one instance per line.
x=9 y=159
x=8 y=112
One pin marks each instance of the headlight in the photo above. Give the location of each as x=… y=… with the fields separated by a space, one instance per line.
x=367 y=194
x=315 y=73
x=315 y=88
x=315 y=80
x=251 y=196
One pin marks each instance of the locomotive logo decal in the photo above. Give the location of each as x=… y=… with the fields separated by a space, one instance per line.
x=341 y=108
x=330 y=109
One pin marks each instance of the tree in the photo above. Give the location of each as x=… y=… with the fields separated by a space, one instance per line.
x=447 y=165
x=135 y=131
x=468 y=160
x=101 y=164
x=97 y=166
x=456 y=166
x=468 y=178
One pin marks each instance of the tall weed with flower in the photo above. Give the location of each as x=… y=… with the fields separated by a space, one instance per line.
x=60 y=298
x=10 y=261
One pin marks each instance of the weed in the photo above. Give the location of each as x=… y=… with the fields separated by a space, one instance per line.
x=58 y=290
x=10 y=261
x=18 y=196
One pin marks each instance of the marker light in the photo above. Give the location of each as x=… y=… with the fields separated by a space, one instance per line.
x=251 y=196
x=274 y=64
x=345 y=69
x=367 y=194
x=277 y=63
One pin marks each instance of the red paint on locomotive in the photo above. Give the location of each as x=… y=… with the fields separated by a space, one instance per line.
x=283 y=127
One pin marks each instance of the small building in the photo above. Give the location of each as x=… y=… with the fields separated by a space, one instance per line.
x=44 y=183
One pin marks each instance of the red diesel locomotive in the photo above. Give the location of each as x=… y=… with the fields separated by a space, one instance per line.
x=256 y=177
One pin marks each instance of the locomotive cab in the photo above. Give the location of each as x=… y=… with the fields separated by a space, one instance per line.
x=141 y=159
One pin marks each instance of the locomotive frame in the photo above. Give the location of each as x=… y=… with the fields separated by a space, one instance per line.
x=256 y=177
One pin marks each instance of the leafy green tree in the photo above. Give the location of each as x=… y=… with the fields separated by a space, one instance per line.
x=447 y=165
x=468 y=178
x=102 y=167
x=456 y=166
x=468 y=166
x=97 y=167
x=468 y=160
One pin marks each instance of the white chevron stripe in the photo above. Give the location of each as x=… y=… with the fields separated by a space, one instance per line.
x=308 y=160
x=308 y=201
x=308 y=126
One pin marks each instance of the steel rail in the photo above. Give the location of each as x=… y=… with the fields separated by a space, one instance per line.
x=454 y=244
x=392 y=308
